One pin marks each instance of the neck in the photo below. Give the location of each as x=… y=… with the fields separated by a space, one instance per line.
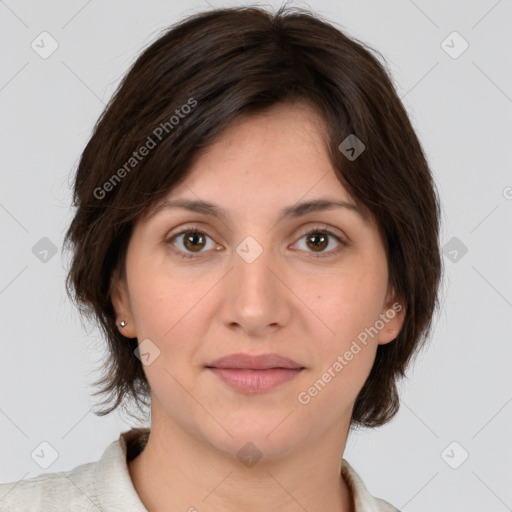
x=175 y=471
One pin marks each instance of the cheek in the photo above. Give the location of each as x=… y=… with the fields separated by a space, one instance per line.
x=349 y=305
x=158 y=307
x=172 y=311
x=163 y=299
x=345 y=353
x=348 y=302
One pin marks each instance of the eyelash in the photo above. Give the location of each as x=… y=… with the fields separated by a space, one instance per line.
x=315 y=230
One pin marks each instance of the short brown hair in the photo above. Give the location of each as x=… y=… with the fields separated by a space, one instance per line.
x=233 y=62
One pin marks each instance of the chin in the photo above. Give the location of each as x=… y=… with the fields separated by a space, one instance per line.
x=258 y=435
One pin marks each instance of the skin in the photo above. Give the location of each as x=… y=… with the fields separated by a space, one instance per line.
x=286 y=301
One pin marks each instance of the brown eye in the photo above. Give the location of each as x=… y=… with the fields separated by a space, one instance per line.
x=194 y=241
x=190 y=241
x=318 y=240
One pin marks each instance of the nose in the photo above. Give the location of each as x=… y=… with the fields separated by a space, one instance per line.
x=256 y=300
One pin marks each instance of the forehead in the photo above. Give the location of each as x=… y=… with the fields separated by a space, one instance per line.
x=278 y=129
x=272 y=161
x=280 y=151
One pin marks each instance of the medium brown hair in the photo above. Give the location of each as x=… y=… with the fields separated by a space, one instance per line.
x=228 y=63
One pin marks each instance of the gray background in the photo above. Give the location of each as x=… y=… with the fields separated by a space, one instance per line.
x=459 y=388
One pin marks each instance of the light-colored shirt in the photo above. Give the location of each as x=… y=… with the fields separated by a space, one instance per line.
x=106 y=485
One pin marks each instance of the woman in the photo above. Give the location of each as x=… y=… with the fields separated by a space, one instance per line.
x=257 y=235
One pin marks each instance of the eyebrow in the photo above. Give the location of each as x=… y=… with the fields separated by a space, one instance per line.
x=294 y=211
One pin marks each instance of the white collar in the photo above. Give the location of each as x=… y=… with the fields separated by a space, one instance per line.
x=116 y=492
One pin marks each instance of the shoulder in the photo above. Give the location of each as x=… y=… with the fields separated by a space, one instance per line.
x=93 y=486
x=52 y=492
x=363 y=500
x=384 y=506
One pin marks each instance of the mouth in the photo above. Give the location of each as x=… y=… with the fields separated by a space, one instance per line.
x=255 y=381
x=254 y=374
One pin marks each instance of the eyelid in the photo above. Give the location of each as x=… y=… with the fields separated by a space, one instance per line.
x=181 y=231
x=341 y=239
x=336 y=233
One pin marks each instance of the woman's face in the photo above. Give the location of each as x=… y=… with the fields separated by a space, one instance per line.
x=252 y=282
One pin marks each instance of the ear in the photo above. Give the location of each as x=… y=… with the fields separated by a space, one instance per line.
x=121 y=303
x=392 y=316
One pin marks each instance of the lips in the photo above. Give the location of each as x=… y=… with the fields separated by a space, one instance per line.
x=256 y=362
x=254 y=374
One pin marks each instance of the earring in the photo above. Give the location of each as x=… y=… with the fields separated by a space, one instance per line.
x=122 y=323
